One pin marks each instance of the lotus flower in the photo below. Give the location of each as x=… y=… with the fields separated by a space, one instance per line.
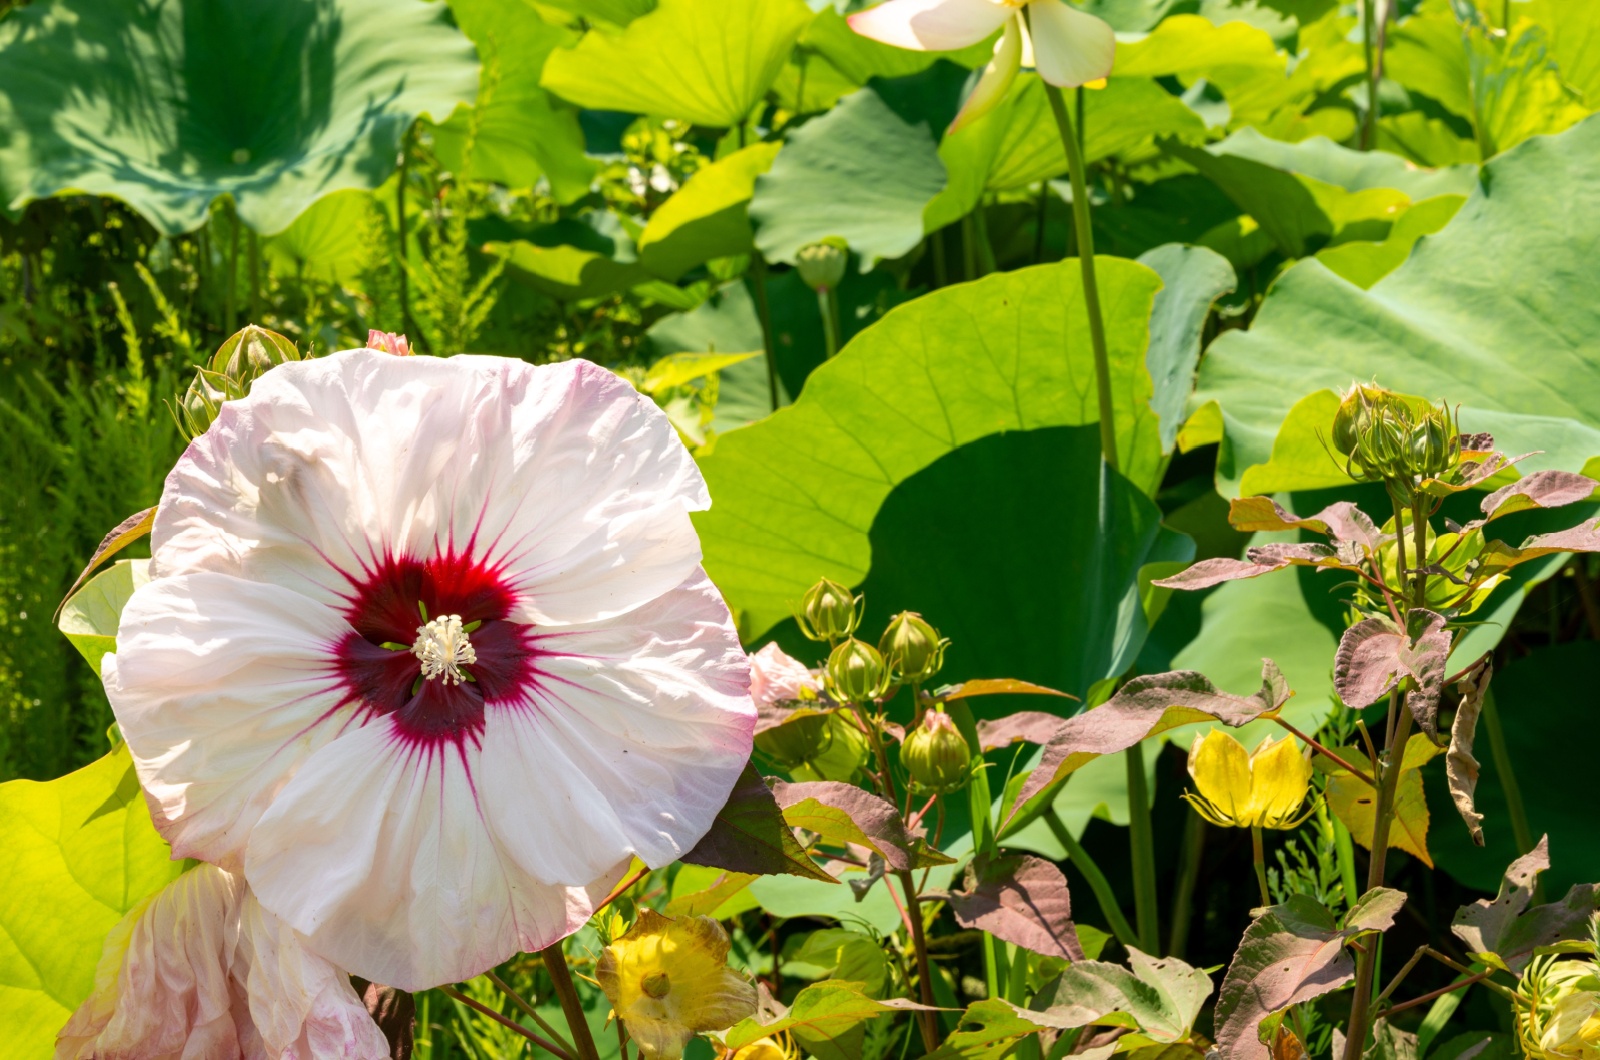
x=1068 y=47
x=427 y=652
x=199 y=969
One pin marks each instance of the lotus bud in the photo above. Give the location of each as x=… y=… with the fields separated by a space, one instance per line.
x=388 y=342
x=856 y=672
x=912 y=648
x=829 y=611
x=937 y=755
x=243 y=358
x=805 y=735
x=822 y=264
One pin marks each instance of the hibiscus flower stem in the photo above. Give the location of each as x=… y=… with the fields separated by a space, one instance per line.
x=1259 y=859
x=1091 y=287
x=555 y=962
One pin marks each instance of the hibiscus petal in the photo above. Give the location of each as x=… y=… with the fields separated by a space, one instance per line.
x=220 y=686
x=379 y=854
x=996 y=79
x=930 y=25
x=1070 y=47
x=636 y=731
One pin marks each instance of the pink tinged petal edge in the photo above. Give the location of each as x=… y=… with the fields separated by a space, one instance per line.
x=200 y=969
x=382 y=859
x=930 y=25
x=778 y=677
x=996 y=79
x=1070 y=47
x=221 y=687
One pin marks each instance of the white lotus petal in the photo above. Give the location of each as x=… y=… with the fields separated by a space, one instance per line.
x=200 y=971
x=1070 y=47
x=930 y=25
x=221 y=686
x=996 y=79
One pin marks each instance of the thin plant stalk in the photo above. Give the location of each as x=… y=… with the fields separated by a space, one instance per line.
x=827 y=305
x=1259 y=860
x=1194 y=845
x=1367 y=124
x=1141 y=838
x=403 y=275
x=985 y=248
x=1097 y=879
x=555 y=962
x=230 y=295
x=528 y=1010
x=1521 y=833
x=509 y=1024
x=758 y=280
x=255 y=277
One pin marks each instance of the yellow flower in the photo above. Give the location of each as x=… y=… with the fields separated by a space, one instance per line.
x=1561 y=1020
x=778 y=1048
x=1263 y=789
x=669 y=980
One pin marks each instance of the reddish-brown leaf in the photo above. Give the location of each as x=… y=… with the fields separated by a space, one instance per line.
x=1023 y=900
x=1028 y=726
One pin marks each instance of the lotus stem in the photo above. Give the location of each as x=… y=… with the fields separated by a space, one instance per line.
x=1141 y=838
x=1194 y=845
x=1097 y=879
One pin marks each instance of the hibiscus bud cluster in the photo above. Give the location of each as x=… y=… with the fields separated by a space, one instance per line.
x=828 y=612
x=912 y=649
x=1386 y=438
x=857 y=672
x=936 y=754
x=243 y=357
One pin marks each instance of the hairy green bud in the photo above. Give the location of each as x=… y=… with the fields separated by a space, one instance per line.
x=936 y=754
x=912 y=648
x=856 y=672
x=828 y=611
x=243 y=357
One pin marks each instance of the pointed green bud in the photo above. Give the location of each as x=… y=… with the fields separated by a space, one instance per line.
x=242 y=358
x=829 y=611
x=936 y=754
x=804 y=735
x=856 y=672
x=912 y=648
x=822 y=264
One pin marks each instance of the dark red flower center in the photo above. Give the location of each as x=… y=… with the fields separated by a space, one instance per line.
x=387 y=605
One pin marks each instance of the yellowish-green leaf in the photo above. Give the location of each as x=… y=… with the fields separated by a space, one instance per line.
x=1355 y=803
x=709 y=217
x=90 y=618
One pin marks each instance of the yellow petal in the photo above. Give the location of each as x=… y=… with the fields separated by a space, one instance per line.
x=1220 y=767
x=669 y=980
x=1280 y=777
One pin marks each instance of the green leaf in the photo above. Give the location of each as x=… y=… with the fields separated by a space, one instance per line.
x=1506 y=933
x=616 y=12
x=701 y=891
x=750 y=836
x=678 y=369
x=1365 y=262
x=1159 y=997
x=171 y=107
x=1508 y=344
x=1309 y=194
x=574 y=259
x=988 y=1030
x=80 y=852
x=92 y=615
x=522 y=132
x=327 y=241
x=845 y=814
x=1353 y=801
x=860 y=59
x=953 y=367
x=1240 y=60
x=709 y=64
x=1193 y=278
x=859 y=173
x=709 y=217
x=826 y=1018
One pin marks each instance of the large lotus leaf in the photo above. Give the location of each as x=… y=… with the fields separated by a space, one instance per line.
x=1239 y=59
x=1017 y=144
x=860 y=173
x=616 y=12
x=80 y=852
x=709 y=217
x=1495 y=313
x=517 y=130
x=329 y=240
x=1308 y=194
x=577 y=258
x=169 y=106
x=705 y=63
x=1541 y=699
x=796 y=496
x=1365 y=262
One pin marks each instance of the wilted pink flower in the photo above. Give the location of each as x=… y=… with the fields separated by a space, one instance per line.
x=200 y=970
x=388 y=342
x=778 y=677
x=428 y=652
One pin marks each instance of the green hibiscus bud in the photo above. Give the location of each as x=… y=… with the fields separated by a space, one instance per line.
x=1354 y=416
x=1435 y=443
x=937 y=755
x=828 y=611
x=803 y=736
x=856 y=672
x=242 y=358
x=912 y=648
x=822 y=264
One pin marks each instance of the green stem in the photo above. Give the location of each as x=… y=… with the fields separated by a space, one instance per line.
x=555 y=962
x=1091 y=287
x=758 y=280
x=969 y=250
x=1142 y=839
x=830 y=327
x=1344 y=846
x=1490 y=718
x=255 y=277
x=230 y=296
x=1367 y=123
x=400 y=231
x=1258 y=858
x=941 y=271
x=1194 y=845
x=528 y=1010
x=1097 y=879
x=980 y=226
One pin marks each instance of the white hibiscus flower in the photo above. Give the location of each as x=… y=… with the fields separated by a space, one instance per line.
x=427 y=652
x=200 y=970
